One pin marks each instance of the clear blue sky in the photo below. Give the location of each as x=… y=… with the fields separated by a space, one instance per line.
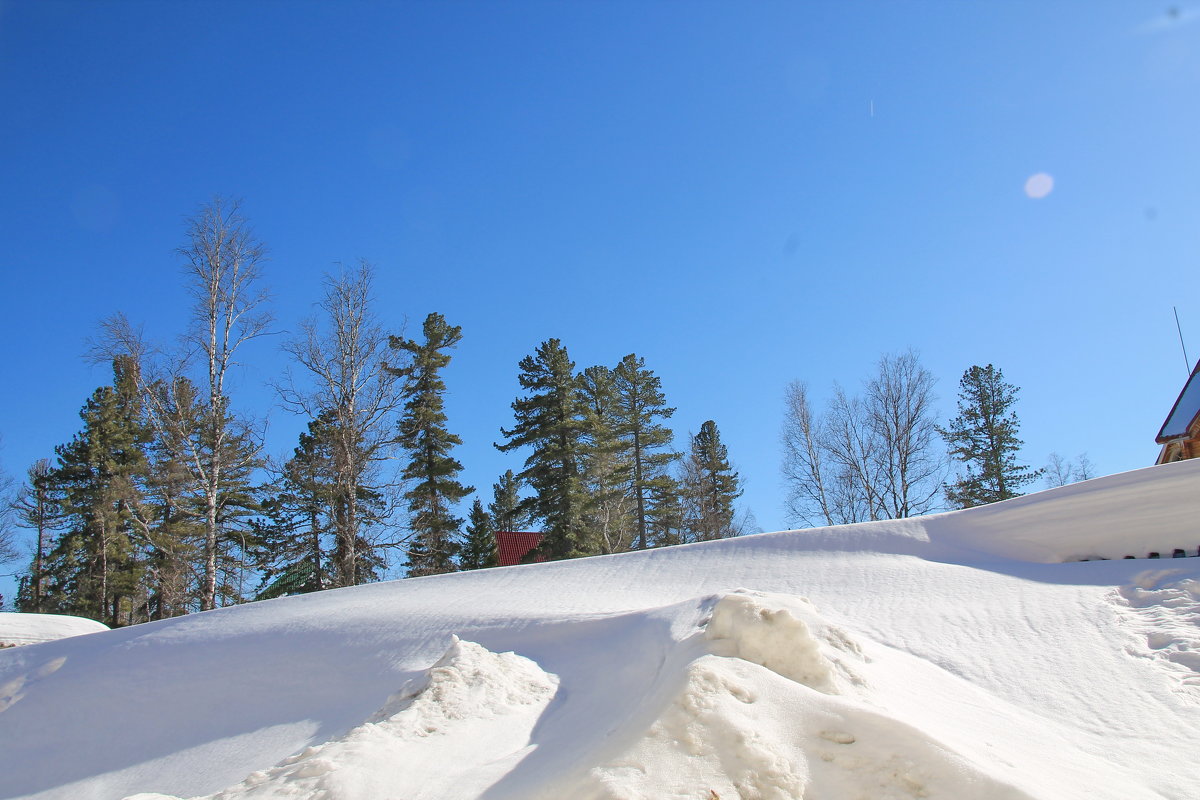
x=743 y=193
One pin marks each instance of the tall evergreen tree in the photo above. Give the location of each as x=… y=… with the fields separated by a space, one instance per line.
x=609 y=511
x=644 y=441
x=423 y=433
x=506 y=510
x=172 y=525
x=710 y=485
x=551 y=421
x=298 y=519
x=37 y=512
x=479 y=548
x=983 y=438
x=94 y=568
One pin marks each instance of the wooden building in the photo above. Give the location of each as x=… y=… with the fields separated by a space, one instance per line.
x=1180 y=434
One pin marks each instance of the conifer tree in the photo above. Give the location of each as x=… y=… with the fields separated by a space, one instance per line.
x=298 y=519
x=644 y=442
x=208 y=523
x=172 y=525
x=609 y=511
x=710 y=485
x=423 y=434
x=550 y=420
x=94 y=568
x=507 y=510
x=983 y=438
x=479 y=548
x=36 y=511
x=666 y=516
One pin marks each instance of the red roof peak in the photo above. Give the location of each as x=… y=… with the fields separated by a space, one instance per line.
x=513 y=546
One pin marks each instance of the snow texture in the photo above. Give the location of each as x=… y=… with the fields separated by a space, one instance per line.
x=961 y=655
x=451 y=732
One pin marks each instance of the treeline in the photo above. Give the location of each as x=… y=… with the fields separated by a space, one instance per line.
x=882 y=454
x=164 y=502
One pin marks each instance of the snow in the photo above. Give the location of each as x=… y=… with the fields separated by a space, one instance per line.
x=954 y=656
x=21 y=629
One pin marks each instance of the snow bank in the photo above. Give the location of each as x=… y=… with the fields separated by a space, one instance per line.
x=1129 y=514
x=935 y=659
x=787 y=636
x=767 y=716
x=20 y=629
x=450 y=733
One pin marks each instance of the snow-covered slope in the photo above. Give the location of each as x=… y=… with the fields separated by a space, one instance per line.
x=20 y=629
x=946 y=657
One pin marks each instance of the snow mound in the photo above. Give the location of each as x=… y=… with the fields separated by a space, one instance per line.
x=452 y=732
x=21 y=629
x=787 y=636
x=767 y=716
x=1164 y=609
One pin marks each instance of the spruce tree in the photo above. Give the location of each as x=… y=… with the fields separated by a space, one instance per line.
x=94 y=568
x=607 y=474
x=423 y=433
x=479 y=548
x=294 y=555
x=507 y=511
x=550 y=420
x=174 y=531
x=710 y=485
x=983 y=438
x=36 y=511
x=645 y=442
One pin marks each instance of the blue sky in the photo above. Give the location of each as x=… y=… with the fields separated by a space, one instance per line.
x=743 y=193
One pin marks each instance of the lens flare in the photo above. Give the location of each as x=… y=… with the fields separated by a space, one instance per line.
x=1039 y=185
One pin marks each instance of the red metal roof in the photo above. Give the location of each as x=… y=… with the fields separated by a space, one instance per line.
x=512 y=546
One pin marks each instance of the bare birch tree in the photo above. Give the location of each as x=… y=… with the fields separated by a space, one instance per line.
x=1060 y=471
x=222 y=267
x=346 y=382
x=878 y=456
x=911 y=460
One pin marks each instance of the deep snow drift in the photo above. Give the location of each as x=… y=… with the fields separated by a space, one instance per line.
x=944 y=657
x=21 y=629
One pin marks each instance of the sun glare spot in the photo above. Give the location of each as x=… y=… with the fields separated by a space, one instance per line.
x=1039 y=185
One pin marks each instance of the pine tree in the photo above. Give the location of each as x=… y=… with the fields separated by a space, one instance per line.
x=644 y=442
x=94 y=569
x=36 y=511
x=609 y=517
x=665 y=518
x=298 y=519
x=424 y=435
x=507 y=510
x=983 y=437
x=205 y=494
x=710 y=485
x=479 y=549
x=173 y=529
x=550 y=420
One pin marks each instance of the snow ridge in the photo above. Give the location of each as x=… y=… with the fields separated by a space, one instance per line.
x=780 y=710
